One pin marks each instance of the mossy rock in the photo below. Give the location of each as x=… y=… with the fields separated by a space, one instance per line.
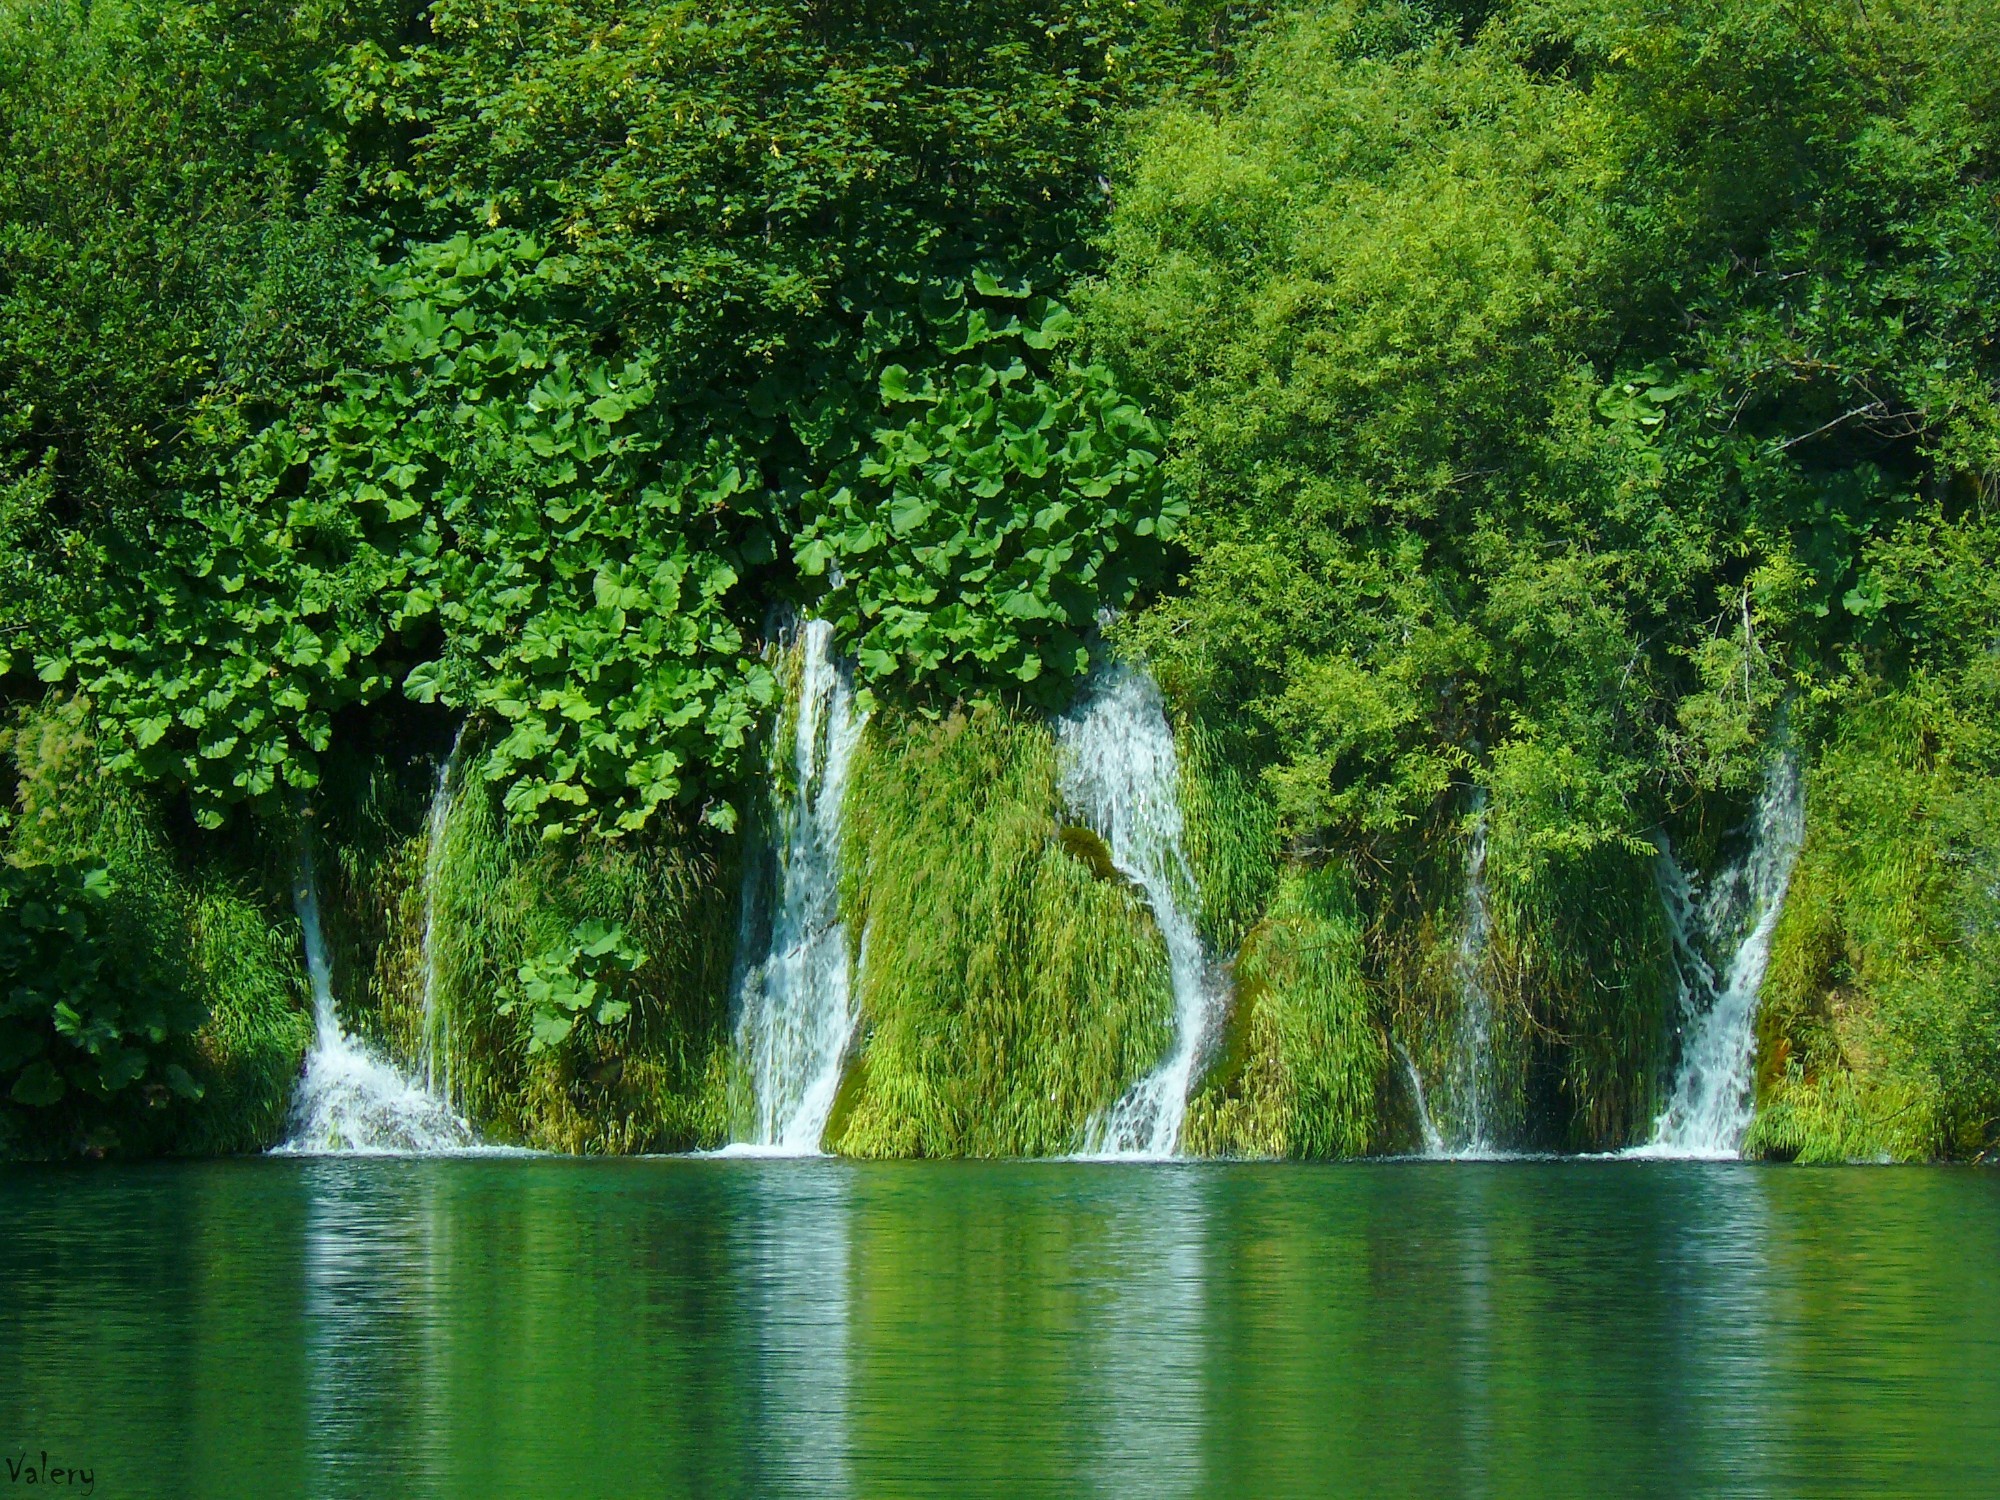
x=1089 y=850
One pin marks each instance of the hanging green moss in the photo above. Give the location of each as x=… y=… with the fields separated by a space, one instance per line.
x=1231 y=834
x=1572 y=968
x=1411 y=958
x=365 y=824
x=1580 y=971
x=1879 y=1029
x=1832 y=1116
x=258 y=1028
x=1009 y=990
x=659 y=1081
x=1303 y=1062
x=653 y=1077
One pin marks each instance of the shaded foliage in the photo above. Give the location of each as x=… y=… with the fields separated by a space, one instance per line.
x=164 y=994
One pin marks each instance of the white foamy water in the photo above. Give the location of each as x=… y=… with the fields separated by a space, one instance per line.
x=1121 y=779
x=350 y=1099
x=1433 y=1138
x=1472 y=1060
x=1709 y=1110
x=795 y=1007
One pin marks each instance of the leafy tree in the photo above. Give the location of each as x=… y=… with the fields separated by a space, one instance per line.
x=1560 y=391
x=1539 y=385
x=561 y=481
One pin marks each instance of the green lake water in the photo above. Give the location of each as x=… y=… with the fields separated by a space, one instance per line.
x=539 y=1327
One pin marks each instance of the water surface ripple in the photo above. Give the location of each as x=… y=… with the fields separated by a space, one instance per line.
x=542 y=1327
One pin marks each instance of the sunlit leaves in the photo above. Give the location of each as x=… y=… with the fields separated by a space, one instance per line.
x=583 y=981
x=1000 y=503
x=491 y=516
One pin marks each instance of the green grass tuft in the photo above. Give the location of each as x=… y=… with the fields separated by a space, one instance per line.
x=1580 y=968
x=1010 y=991
x=1304 y=1061
x=1231 y=835
x=661 y=1081
x=1879 y=1032
x=1835 y=1117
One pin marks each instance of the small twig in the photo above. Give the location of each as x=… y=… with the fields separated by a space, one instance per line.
x=1859 y=411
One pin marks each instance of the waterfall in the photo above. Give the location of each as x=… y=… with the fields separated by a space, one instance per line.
x=1472 y=1062
x=349 y=1099
x=1433 y=1140
x=1709 y=1110
x=435 y=1041
x=1121 y=778
x=795 y=1004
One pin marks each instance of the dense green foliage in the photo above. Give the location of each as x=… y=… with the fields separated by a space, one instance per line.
x=1556 y=389
x=1881 y=1020
x=160 y=993
x=78 y=1013
x=579 y=980
x=1303 y=1069
x=172 y=263
x=1521 y=387
x=1495 y=424
x=979 y=540
x=561 y=479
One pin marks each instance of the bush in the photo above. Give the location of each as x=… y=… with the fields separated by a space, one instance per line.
x=86 y=1012
x=186 y=978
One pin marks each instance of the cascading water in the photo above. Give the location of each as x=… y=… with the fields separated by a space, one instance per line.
x=1121 y=778
x=1433 y=1138
x=795 y=1004
x=435 y=1043
x=1472 y=1060
x=349 y=1099
x=1709 y=1110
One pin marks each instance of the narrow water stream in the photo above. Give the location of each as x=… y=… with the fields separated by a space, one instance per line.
x=437 y=1054
x=1472 y=1091
x=794 y=988
x=1709 y=1110
x=350 y=1099
x=1121 y=777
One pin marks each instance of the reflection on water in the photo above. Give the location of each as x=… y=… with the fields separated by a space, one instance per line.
x=791 y=1246
x=1146 y=1339
x=377 y=1259
x=1476 y=1344
x=1729 y=1332
x=550 y=1328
